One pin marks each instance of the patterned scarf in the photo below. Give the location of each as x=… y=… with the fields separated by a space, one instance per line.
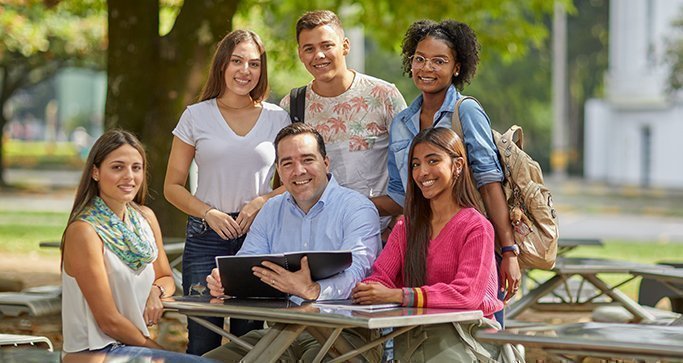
x=128 y=245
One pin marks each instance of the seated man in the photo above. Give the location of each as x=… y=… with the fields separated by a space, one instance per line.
x=315 y=213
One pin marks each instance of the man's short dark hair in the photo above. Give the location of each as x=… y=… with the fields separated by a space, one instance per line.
x=299 y=128
x=313 y=19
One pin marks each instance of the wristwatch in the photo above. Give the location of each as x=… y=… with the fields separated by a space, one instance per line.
x=513 y=248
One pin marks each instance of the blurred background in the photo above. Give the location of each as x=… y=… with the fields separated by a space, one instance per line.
x=595 y=84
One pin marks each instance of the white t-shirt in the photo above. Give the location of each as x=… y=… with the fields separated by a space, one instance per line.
x=129 y=289
x=232 y=169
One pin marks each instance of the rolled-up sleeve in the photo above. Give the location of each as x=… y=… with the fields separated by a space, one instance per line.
x=481 y=149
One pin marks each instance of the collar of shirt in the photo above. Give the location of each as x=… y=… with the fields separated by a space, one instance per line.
x=412 y=117
x=320 y=204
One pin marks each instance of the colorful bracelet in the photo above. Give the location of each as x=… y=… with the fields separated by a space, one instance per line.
x=413 y=297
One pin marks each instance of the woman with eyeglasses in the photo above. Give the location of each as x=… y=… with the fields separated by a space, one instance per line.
x=441 y=58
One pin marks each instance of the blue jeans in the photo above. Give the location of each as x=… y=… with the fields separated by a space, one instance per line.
x=133 y=353
x=202 y=245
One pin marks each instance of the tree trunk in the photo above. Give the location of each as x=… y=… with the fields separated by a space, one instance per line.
x=152 y=79
x=3 y=121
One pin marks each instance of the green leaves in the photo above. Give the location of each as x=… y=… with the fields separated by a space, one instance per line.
x=30 y=28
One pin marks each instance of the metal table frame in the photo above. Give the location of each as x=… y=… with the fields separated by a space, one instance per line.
x=323 y=324
x=574 y=342
x=588 y=270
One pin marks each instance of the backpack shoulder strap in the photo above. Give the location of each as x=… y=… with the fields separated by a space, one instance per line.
x=457 y=124
x=297 y=104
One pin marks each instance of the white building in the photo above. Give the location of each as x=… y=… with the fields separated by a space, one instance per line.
x=634 y=136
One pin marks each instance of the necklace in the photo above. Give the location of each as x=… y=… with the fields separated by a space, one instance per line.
x=220 y=103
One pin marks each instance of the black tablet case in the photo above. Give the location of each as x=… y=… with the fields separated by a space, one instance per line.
x=239 y=281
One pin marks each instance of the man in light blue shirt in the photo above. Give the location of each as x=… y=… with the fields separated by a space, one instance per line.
x=315 y=213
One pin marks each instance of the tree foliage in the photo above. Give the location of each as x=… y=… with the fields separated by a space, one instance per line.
x=153 y=75
x=37 y=38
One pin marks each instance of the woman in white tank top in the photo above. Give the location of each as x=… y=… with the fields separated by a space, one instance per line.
x=230 y=135
x=114 y=269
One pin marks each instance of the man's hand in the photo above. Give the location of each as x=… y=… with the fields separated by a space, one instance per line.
x=375 y=293
x=510 y=275
x=297 y=283
x=213 y=282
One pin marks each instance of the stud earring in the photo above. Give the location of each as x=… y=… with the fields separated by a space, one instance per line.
x=96 y=178
x=457 y=74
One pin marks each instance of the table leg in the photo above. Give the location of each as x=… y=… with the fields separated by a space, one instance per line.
x=326 y=344
x=353 y=352
x=339 y=345
x=532 y=297
x=638 y=312
x=276 y=341
x=203 y=322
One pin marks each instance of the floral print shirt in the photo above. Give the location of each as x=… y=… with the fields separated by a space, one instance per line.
x=355 y=127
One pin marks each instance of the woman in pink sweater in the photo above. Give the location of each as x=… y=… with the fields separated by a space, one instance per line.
x=449 y=262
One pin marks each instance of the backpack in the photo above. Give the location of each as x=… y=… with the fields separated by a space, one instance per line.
x=533 y=218
x=297 y=104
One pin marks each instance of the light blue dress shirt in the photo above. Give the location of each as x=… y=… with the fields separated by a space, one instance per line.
x=476 y=126
x=341 y=220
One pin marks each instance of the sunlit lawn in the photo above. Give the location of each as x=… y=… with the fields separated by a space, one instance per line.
x=21 y=232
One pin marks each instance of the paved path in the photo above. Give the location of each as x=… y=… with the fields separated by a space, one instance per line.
x=56 y=190
x=641 y=228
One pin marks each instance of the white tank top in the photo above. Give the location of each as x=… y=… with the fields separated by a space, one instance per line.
x=129 y=288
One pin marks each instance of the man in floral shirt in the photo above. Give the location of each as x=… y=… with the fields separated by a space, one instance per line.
x=352 y=111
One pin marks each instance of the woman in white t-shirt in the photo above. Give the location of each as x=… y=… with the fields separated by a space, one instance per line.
x=230 y=135
x=114 y=269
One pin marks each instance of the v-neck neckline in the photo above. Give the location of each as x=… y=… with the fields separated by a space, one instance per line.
x=226 y=126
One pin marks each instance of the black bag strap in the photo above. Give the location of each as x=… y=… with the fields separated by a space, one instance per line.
x=297 y=104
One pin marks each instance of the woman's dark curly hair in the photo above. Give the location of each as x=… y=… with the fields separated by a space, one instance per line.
x=459 y=37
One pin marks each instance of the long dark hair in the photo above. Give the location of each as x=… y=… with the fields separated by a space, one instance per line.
x=458 y=36
x=88 y=187
x=215 y=84
x=417 y=211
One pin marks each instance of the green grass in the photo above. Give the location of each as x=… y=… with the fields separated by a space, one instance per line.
x=21 y=232
x=637 y=251
x=36 y=154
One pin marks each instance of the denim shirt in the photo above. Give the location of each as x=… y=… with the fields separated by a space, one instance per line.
x=476 y=126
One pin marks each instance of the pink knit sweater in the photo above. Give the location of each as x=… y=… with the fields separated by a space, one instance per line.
x=461 y=270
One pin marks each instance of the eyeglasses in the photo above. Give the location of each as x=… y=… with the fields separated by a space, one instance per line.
x=418 y=62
